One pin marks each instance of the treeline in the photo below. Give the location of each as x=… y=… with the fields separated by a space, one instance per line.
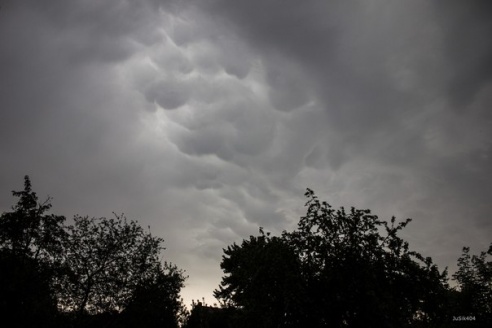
x=339 y=268
x=344 y=269
x=96 y=272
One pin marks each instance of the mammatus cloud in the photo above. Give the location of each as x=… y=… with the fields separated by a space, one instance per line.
x=206 y=120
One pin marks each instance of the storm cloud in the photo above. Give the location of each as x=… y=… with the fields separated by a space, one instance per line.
x=208 y=119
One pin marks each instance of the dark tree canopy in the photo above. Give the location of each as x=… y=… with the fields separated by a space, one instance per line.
x=337 y=269
x=95 y=272
x=155 y=302
x=264 y=280
x=205 y=316
x=474 y=277
x=26 y=296
x=362 y=271
x=30 y=250
x=105 y=261
x=28 y=230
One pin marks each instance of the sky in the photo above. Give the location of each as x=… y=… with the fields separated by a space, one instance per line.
x=206 y=120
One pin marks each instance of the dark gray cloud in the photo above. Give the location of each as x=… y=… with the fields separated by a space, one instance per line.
x=467 y=45
x=208 y=119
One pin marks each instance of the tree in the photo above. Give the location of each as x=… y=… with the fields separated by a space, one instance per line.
x=26 y=297
x=105 y=262
x=345 y=269
x=205 y=316
x=27 y=230
x=263 y=280
x=155 y=302
x=30 y=249
x=358 y=268
x=474 y=277
x=92 y=273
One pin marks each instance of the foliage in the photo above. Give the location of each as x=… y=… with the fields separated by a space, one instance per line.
x=362 y=271
x=474 y=277
x=26 y=298
x=96 y=271
x=28 y=231
x=29 y=256
x=337 y=269
x=263 y=279
x=205 y=316
x=155 y=302
x=105 y=261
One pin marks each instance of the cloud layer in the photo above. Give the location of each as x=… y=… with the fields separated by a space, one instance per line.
x=208 y=119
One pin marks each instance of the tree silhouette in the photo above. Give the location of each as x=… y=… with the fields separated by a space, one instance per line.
x=28 y=231
x=30 y=249
x=105 y=261
x=474 y=292
x=155 y=302
x=26 y=297
x=205 y=316
x=337 y=269
x=94 y=273
x=263 y=278
x=361 y=272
